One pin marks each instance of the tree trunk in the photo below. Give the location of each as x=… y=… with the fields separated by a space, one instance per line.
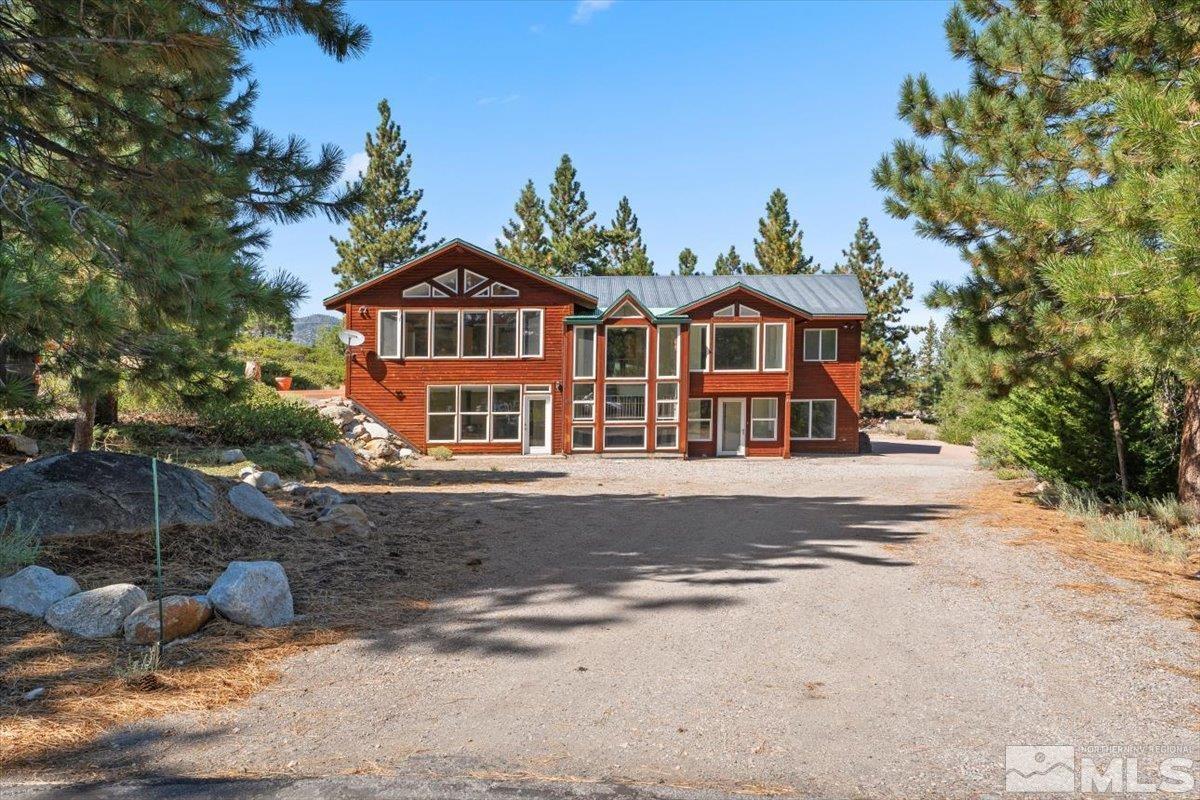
x=106 y=409
x=1114 y=416
x=85 y=423
x=1189 y=448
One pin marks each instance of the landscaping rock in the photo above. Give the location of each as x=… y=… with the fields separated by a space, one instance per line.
x=232 y=456
x=338 y=413
x=339 y=460
x=34 y=589
x=253 y=593
x=345 y=517
x=294 y=489
x=377 y=449
x=304 y=453
x=356 y=430
x=95 y=614
x=182 y=616
x=263 y=481
x=254 y=504
x=16 y=443
x=325 y=497
x=376 y=431
x=34 y=694
x=405 y=452
x=96 y=492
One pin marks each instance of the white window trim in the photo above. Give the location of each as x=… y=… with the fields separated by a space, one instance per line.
x=804 y=345
x=628 y=423
x=462 y=330
x=470 y=274
x=379 y=334
x=492 y=339
x=810 y=401
x=728 y=311
x=645 y=329
x=706 y=347
x=591 y=375
x=448 y=280
x=412 y=291
x=454 y=414
x=493 y=413
x=710 y=419
x=575 y=403
x=675 y=402
x=757 y=343
x=458 y=333
x=774 y=420
x=576 y=448
x=608 y=449
x=746 y=311
x=507 y=293
x=541 y=313
x=783 y=344
x=428 y=333
x=487 y=428
x=674 y=429
x=658 y=342
x=620 y=312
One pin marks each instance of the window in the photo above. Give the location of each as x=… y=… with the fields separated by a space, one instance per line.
x=624 y=437
x=735 y=347
x=625 y=352
x=700 y=414
x=474 y=334
x=388 y=345
x=438 y=292
x=727 y=311
x=814 y=419
x=773 y=338
x=820 y=344
x=416 y=334
x=666 y=437
x=747 y=311
x=443 y=407
x=626 y=310
x=504 y=334
x=668 y=352
x=449 y=280
x=473 y=413
x=698 y=349
x=537 y=388
x=764 y=419
x=625 y=401
x=531 y=332
x=484 y=292
x=471 y=280
x=503 y=290
x=583 y=438
x=445 y=334
x=585 y=352
x=506 y=413
x=420 y=290
x=666 y=401
x=583 y=401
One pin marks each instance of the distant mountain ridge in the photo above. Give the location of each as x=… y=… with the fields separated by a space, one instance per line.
x=305 y=329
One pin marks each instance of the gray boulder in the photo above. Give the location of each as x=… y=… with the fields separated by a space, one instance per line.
x=405 y=452
x=253 y=593
x=95 y=614
x=255 y=505
x=376 y=431
x=264 y=480
x=345 y=517
x=324 y=497
x=294 y=488
x=232 y=456
x=338 y=413
x=16 y=443
x=34 y=589
x=340 y=460
x=96 y=492
x=304 y=453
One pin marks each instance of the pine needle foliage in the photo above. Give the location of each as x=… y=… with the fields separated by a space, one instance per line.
x=523 y=238
x=779 y=247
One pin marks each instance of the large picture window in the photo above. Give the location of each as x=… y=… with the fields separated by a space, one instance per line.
x=583 y=401
x=814 y=419
x=625 y=351
x=504 y=334
x=666 y=401
x=531 y=332
x=774 y=334
x=820 y=344
x=735 y=347
x=474 y=334
x=698 y=348
x=700 y=419
x=668 y=351
x=585 y=352
x=624 y=437
x=474 y=414
x=388 y=345
x=625 y=401
x=764 y=418
x=445 y=334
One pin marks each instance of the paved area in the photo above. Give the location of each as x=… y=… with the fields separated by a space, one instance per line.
x=826 y=626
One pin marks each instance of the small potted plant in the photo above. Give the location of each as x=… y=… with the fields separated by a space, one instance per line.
x=283 y=382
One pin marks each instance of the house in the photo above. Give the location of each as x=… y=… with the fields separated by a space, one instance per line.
x=466 y=349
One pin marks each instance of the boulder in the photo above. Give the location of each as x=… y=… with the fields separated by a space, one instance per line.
x=182 y=616
x=255 y=505
x=405 y=452
x=263 y=481
x=338 y=413
x=18 y=444
x=34 y=589
x=376 y=431
x=97 y=492
x=232 y=456
x=95 y=614
x=304 y=453
x=339 y=460
x=325 y=497
x=294 y=489
x=345 y=517
x=253 y=593
x=354 y=431
x=378 y=449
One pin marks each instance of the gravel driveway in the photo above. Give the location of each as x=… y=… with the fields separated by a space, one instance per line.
x=830 y=626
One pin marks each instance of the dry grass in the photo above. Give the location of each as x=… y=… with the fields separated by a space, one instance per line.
x=341 y=582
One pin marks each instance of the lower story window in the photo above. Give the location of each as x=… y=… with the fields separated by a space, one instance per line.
x=583 y=437
x=624 y=437
x=474 y=414
x=443 y=413
x=814 y=419
x=666 y=437
x=700 y=417
x=764 y=418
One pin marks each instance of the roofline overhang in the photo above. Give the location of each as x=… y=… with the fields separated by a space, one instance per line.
x=708 y=298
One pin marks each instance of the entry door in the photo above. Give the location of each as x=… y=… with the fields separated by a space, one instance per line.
x=731 y=437
x=537 y=424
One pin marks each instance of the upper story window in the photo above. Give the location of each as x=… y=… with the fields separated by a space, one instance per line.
x=668 y=351
x=416 y=334
x=626 y=351
x=531 y=331
x=698 y=349
x=735 y=347
x=820 y=344
x=585 y=352
x=450 y=333
x=774 y=346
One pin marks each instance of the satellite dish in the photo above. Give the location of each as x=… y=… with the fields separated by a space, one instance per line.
x=351 y=338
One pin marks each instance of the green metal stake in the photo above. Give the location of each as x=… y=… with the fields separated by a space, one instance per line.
x=162 y=635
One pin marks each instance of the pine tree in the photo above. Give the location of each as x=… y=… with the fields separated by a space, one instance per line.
x=886 y=359
x=780 y=246
x=687 y=261
x=729 y=263
x=524 y=237
x=929 y=370
x=575 y=240
x=624 y=250
x=389 y=229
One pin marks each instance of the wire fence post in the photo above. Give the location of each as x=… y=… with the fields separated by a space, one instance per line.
x=158 y=557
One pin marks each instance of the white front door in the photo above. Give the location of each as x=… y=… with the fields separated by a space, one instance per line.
x=731 y=427
x=536 y=433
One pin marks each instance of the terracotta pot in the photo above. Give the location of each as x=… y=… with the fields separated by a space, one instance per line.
x=283 y=383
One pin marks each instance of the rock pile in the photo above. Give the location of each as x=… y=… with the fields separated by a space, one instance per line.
x=364 y=438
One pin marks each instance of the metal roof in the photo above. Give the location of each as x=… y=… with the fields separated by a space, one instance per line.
x=820 y=295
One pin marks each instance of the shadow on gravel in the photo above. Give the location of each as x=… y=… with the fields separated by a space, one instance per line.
x=883 y=448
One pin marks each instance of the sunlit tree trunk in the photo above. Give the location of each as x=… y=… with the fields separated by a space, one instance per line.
x=1189 y=448
x=85 y=423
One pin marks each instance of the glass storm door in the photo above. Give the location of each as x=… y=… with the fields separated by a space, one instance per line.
x=731 y=439
x=537 y=424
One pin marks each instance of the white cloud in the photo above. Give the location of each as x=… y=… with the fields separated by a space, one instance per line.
x=355 y=166
x=586 y=9
x=501 y=100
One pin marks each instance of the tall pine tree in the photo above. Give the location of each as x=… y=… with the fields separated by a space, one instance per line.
x=780 y=246
x=624 y=250
x=687 y=261
x=729 y=263
x=886 y=359
x=575 y=240
x=390 y=227
x=929 y=372
x=524 y=237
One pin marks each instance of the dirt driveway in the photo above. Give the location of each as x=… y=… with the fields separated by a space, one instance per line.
x=830 y=626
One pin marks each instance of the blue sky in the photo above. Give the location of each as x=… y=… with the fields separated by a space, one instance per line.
x=696 y=111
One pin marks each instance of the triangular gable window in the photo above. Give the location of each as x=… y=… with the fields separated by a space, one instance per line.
x=449 y=280
x=439 y=293
x=472 y=280
x=747 y=311
x=625 y=311
x=727 y=311
x=484 y=292
x=420 y=290
x=503 y=290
